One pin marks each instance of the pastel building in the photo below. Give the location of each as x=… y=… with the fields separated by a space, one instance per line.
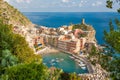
x=77 y=32
x=82 y=43
x=48 y=40
x=62 y=45
x=70 y=27
x=72 y=46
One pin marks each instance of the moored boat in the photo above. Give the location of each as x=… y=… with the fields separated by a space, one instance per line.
x=83 y=67
x=71 y=57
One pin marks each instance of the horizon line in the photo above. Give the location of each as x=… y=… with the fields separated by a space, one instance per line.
x=69 y=12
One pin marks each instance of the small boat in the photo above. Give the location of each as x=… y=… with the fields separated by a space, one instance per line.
x=83 y=67
x=81 y=62
x=52 y=60
x=71 y=57
x=77 y=60
x=52 y=64
x=61 y=59
x=57 y=60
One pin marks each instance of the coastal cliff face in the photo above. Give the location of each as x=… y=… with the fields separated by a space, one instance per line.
x=10 y=15
x=86 y=31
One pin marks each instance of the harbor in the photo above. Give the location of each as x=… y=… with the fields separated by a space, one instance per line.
x=63 y=61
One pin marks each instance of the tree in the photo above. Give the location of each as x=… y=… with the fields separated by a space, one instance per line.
x=8 y=59
x=111 y=3
x=114 y=69
x=112 y=38
x=23 y=52
x=55 y=73
x=31 y=71
x=71 y=76
x=13 y=42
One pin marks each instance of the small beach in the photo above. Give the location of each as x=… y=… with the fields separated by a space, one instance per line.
x=47 y=50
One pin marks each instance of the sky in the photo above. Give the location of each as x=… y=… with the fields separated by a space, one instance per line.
x=60 y=5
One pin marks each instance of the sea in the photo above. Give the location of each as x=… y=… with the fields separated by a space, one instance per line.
x=99 y=20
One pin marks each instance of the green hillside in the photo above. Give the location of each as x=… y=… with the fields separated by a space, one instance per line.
x=11 y=15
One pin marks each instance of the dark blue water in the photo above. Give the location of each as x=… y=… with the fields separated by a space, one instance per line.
x=67 y=64
x=99 y=20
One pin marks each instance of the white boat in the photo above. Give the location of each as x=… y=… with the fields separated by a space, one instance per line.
x=71 y=57
x=77 y=60
x=52 y=60
x=83 y=67
x=61 y=59
x=52 y=64
x=81 y=62
x=57 y=60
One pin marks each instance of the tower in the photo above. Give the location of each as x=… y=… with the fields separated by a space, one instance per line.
x=83 y=21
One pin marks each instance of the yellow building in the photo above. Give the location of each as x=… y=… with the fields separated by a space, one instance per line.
x=70 y=27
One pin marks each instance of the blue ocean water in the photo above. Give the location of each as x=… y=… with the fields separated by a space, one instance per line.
x=99 y=20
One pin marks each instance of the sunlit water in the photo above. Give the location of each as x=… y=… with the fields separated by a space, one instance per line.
x=63 y=61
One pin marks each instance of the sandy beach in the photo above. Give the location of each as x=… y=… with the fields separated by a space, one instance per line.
x=47 y=50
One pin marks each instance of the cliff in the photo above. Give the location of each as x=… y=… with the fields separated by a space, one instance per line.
x=11 y=15
x=89 y=31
